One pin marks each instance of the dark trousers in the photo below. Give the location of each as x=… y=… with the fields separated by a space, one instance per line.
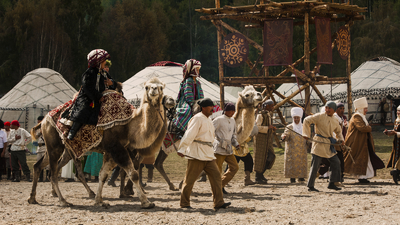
x=316 y=162
x=325 y=165
x=21 y=157
x=247 y=160
x=2 y=163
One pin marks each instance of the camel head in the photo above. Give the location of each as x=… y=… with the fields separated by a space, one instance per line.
x=168 y=102
x=249 y=97
x=154 y=91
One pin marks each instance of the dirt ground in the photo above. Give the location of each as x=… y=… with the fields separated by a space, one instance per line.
x=278 y=202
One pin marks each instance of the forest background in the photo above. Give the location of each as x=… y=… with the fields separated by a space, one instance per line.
x=58 y=34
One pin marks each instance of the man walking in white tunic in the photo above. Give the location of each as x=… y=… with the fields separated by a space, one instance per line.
x=196 y=145
x=225 y=138
x=325 y=125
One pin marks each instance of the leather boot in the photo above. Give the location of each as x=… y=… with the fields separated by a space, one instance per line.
x=247 y=180
x=28 y=177
x=8 y=174
x=203 y=177
x=96 y=179
x=41 y=176
x=113 y=177
x=333 y=186
x=74 y=129
x=47 y=176
x=150 y=174
x=260 y=179
x=395 y=174
x=17 y=176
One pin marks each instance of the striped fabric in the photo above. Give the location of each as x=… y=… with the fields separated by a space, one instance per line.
x=186 y=98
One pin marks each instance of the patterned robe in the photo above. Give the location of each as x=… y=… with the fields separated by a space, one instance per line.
x=295 y=154
x=189 y=92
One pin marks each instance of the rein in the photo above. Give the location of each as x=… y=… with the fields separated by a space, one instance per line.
x=165 y=123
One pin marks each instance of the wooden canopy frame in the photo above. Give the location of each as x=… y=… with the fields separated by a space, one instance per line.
x=304 y=13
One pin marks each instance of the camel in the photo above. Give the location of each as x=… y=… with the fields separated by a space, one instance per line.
x=244 y=116
x=140 y=132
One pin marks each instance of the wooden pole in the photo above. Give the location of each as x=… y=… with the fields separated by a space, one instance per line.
x=291 y=96
x=348 y=73
x=217 y=4
x=307 y=62
x=220 y=65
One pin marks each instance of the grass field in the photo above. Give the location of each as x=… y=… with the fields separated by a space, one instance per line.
x=175 y=166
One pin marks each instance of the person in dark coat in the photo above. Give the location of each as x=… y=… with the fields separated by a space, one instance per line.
x=94 y=81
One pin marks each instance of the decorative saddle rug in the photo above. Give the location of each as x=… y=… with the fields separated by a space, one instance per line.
x=115 y=110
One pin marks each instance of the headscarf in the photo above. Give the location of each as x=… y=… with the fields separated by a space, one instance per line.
x=189 y=68
x=95 y=57
x=359 y=105
x=397 y=119
x=229 y=107
x=297 y=111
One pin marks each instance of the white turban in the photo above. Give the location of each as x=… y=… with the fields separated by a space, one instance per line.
x=296 y=111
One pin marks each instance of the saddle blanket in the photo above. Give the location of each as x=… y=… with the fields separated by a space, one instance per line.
x=115 y=110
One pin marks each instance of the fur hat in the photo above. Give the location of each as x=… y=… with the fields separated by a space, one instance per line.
x=15 y=123
x=40 y=118
x=360 y=103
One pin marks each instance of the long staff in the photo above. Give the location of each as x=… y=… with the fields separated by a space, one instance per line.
x=347 y=148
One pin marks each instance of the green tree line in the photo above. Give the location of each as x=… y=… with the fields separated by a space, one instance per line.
x=58 y=34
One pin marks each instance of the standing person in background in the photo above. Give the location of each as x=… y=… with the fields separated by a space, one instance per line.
x=93 y=165
x=41 y=150
x=225 y=139
x=384 y=109
x=264 y=154
x=196 y=145
x=325 y=125
x=19 y=138
x=295 y=148
x=7 y=154
x=189 y=91
x=3 y=149
x=360 y=140
x=68 y=171
x=395 y=155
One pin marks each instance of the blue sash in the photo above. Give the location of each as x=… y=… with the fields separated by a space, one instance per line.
x=333 y=141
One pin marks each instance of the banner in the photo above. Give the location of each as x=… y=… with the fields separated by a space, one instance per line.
x=344 y=42
x=234 y=50
x=324 y=43
x=278 y=40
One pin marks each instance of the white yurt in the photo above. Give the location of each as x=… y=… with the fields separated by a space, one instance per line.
x=171 y=74
x=375 y=79
x=38 y=92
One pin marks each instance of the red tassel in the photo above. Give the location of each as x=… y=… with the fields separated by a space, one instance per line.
x=92 y=104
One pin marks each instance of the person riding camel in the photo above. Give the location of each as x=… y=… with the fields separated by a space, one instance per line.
x=94 y=81
x=189 y=91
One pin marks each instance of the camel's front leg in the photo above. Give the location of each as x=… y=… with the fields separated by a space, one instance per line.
x=108 y=165
x=159 y=166
x=81 y=177
x=134 y=176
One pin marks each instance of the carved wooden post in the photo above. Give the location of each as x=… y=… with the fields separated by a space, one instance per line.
x=348 y=73
x=220 y=66
x=307 y=62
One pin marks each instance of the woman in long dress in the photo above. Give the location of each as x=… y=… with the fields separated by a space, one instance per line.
x=360 y=140
x=296 y=148
x=189 y=91
x=394 y=156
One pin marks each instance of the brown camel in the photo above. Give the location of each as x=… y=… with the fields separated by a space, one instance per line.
x=141 y=131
